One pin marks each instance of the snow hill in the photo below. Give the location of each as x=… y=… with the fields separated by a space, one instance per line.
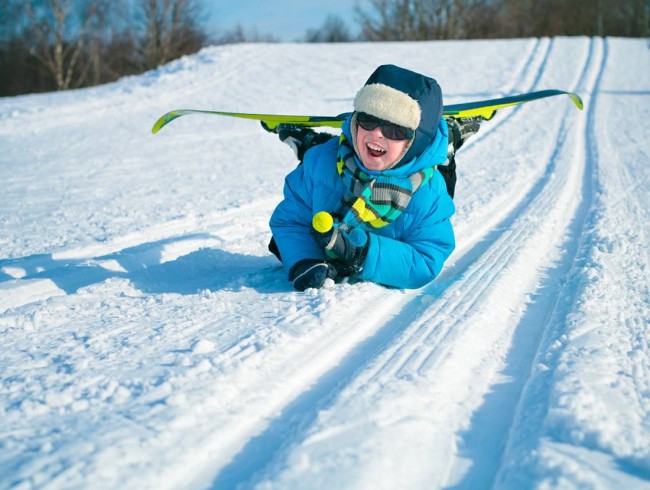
x=149 y=340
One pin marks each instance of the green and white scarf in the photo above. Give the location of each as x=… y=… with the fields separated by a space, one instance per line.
x=374 y=201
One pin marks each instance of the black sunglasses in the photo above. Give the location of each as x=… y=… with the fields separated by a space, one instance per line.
x=388 y=129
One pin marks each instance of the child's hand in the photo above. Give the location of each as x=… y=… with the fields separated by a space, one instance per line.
x=311 y=273
x=347 y=246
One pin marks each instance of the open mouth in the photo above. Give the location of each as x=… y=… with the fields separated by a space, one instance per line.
x=375 y=151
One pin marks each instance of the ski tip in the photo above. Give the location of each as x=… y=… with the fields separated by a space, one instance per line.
x=159 y=124
x=576 y=100
x=164 y=120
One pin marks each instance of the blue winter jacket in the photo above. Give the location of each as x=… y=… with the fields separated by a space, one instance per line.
x=407 y=253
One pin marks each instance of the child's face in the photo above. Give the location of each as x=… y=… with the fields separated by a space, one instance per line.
x=376 y=151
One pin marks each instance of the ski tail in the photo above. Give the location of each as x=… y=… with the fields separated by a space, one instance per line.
x=485 y=109
x=488 y=108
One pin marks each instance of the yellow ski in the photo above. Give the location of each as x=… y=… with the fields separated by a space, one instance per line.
x=485 y=109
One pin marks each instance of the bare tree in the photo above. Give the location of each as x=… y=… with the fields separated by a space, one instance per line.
x=168 y=30
x=333 y=30
x=380 y=24
x=524 y=18
x=58 y=44
x=409 y=20
x=240 y=35
x=415 y=20
x=61 y=32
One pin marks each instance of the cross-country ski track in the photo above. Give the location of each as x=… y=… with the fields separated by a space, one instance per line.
x=151 y=341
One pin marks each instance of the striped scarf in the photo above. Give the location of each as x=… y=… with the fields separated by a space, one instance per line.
x=374 y=201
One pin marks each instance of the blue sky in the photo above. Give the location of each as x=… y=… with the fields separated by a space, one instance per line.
x=287 y=20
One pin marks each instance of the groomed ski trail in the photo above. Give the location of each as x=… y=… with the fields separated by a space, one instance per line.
x=446 y=331
x=144 y=261
x=355 y=386
x=566 y=340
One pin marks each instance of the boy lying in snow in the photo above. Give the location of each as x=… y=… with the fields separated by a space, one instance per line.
x=373 y=204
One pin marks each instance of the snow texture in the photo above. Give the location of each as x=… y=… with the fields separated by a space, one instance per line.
x=149 y=340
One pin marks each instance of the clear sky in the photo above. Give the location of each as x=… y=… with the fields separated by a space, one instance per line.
x=287 y=20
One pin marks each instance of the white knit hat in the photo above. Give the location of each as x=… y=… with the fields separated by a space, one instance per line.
x=389 y=104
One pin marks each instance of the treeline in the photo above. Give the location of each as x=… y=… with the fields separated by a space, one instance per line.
x=411 y=20
x=50 y=45
x=60 y=44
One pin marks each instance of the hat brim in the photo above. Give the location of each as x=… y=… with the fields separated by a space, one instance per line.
x=388 y=104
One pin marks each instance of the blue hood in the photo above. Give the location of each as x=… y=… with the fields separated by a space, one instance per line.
x=420 y=94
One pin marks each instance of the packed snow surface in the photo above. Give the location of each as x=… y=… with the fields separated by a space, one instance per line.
x=150 y=340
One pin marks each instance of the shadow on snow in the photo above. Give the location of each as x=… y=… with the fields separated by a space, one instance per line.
x=202 y=269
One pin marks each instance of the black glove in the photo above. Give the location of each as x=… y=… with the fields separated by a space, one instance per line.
x=345 y=246
x=461 y=129
x=311 y=273
x=298 y=138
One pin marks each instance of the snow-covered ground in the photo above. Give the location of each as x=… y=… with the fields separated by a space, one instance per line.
x=149 y=340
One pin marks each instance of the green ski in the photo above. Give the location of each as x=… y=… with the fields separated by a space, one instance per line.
x=488 y=108
x=485 y=109
x=272 y=120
